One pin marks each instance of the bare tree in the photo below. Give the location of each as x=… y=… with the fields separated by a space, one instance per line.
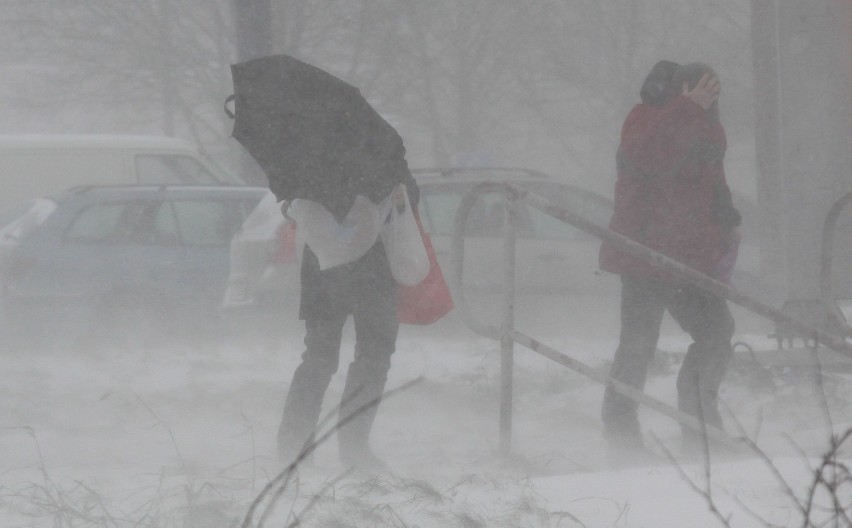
x=543 y=84
x=124 y=65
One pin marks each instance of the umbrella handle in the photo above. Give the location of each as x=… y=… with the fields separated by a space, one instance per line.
x=228 y=110
x=285 y=207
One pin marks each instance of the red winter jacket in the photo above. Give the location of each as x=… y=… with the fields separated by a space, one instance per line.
x=670 y=174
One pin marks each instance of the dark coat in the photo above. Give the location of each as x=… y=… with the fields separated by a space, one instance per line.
x=671 y=193
x=337 y=291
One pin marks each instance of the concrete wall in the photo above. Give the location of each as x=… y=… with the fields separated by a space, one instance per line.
x=804 y=138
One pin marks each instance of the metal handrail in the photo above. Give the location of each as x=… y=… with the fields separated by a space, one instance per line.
x=826 y=256
x=508 y=335
x=837 y=343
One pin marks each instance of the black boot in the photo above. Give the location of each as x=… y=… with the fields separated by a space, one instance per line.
x=308 y=387
x=361 y=395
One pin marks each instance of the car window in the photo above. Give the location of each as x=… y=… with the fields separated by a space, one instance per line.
x=205 y=223
x=487 y=215
x=546 y=226
x=106 y=223
x=438 y=210
x=591 y=206
x=161 y=169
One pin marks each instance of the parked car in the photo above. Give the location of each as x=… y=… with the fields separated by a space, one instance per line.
x=135 y=262
x=551 y=255
x=40 y=165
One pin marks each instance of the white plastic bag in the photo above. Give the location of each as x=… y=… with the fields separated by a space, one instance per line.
x=409 y=262
x=335 y=244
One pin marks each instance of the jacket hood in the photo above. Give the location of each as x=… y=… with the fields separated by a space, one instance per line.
x=659 y=85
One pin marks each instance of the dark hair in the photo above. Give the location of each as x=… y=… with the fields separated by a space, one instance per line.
x=658 y=86
x=690 y=74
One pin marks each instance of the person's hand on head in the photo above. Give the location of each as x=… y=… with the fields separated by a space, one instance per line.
x=705 y=93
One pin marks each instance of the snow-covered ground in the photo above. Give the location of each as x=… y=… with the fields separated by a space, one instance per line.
x=183 y=435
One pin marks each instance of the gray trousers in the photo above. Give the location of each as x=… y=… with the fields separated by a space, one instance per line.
x=708 y=321
x=376 y=328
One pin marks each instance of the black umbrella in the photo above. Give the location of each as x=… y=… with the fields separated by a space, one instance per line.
x=314 y=135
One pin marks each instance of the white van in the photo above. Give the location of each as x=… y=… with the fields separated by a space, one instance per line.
x=32 y=166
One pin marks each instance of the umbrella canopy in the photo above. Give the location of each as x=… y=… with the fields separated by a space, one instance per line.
x=314 y=135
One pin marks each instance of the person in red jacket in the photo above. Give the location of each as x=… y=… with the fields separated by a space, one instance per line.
x=671 y=195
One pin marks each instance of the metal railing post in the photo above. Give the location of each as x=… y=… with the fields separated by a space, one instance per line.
x=505 y=333
x=507 y=327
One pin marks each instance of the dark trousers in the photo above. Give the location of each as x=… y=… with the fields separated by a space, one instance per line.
x=708 y=321
x=376 y=328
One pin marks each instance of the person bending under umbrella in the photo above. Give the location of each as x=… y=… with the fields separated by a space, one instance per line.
x=344 y=271
x=339 y=167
